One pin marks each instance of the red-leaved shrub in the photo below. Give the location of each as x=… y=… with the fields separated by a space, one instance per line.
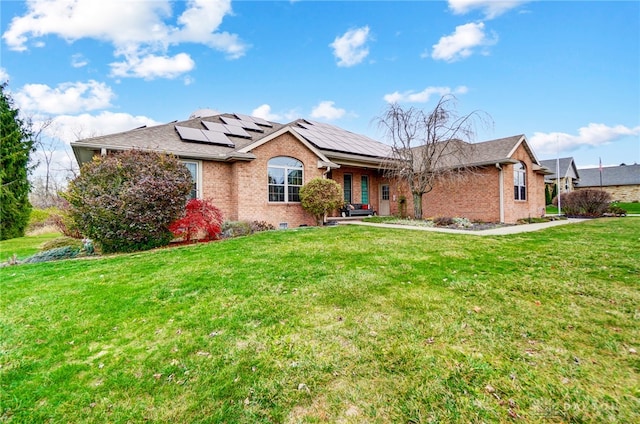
x=201 y=220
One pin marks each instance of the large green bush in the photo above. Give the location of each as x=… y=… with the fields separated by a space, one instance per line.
x=126 y=201
x=320 y=196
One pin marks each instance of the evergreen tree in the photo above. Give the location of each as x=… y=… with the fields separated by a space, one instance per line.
x=16 y=143
x=548 y=196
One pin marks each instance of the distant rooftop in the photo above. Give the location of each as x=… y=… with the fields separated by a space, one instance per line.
x=611 y=176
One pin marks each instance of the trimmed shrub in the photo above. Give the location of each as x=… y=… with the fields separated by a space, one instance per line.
x=236 y=229
x=258 y=226
x=616 y=210
x=443 y=221
x=201 y=220
x=56 y=254
x=587 y=203
x=232 y=229
x=126 y=201
x=320 y=196
x=462 y=222
x=62 y=242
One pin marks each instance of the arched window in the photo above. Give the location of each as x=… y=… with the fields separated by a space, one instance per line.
x=285 y=176
x=519 y=181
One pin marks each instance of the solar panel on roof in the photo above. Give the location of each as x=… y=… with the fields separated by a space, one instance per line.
x=226 y=129
x=328 y=137
x=243 y=124
x=261 y=121
x=254 y=119
x=203 y=136
x=214 y=126
x=191 y=134
x=237 y=131
x=217 y=138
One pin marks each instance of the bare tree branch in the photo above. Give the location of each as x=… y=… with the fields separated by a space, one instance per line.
x=428 y=147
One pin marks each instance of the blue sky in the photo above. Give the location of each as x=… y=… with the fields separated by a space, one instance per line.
x=565 y=74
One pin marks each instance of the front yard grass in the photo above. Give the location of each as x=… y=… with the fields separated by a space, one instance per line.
x=337 y=324
x=23 y=247
x=630 y=207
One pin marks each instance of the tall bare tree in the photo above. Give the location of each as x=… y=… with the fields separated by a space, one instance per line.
x=427 y=147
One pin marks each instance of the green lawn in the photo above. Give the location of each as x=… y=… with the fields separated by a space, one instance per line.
x=338 y=324
x=23 y=247
x=629 y=207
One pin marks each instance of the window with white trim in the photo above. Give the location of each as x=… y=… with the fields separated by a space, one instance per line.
x=519 y=181
x=194 y=169
x=285 y=176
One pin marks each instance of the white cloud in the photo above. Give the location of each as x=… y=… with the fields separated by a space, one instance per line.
x=593 y=135
x=264 y=112
x=350 y=48
x=79 y=61
x=424 y=95
x=327 y=110
x=4 y=75
x=70 y=97
x=73 y=127
x=462 y=42
x=490 y=8
x=138 y=30
x=151 y=67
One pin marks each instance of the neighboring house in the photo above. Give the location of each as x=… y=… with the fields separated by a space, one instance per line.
x=568 y=173
x=622 y=182
x=252 y=169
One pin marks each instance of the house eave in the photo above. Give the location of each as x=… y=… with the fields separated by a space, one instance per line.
x=347 y=159
x=89 y=150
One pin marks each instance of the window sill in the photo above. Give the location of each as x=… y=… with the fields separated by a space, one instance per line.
x=282 y=203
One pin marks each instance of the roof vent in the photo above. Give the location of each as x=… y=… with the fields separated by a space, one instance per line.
x=203 y=113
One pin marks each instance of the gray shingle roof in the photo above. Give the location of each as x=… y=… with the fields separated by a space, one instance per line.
x=566 y=165
x=611 y=176
x=482 y=154
x=492 y=151
x=328 y=139
x=165 y=138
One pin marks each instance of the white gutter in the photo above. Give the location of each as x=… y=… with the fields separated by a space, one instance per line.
x=501 y=179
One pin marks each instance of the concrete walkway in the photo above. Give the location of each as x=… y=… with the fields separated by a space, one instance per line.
x=512 y=229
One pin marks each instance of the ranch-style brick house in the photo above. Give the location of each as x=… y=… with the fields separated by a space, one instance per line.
x=252 y=169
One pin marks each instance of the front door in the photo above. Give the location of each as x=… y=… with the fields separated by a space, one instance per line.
x=383 y=205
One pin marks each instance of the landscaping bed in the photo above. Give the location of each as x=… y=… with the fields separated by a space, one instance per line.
x=455 y=223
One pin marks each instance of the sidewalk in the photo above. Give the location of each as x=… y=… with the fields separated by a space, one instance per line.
x=512 y=229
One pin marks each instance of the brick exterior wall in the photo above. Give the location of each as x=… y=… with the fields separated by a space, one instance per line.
x=240 y=189
x=534 y=206
x=476 y=196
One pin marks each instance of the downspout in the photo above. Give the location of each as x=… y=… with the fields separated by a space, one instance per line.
x=501 y=180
